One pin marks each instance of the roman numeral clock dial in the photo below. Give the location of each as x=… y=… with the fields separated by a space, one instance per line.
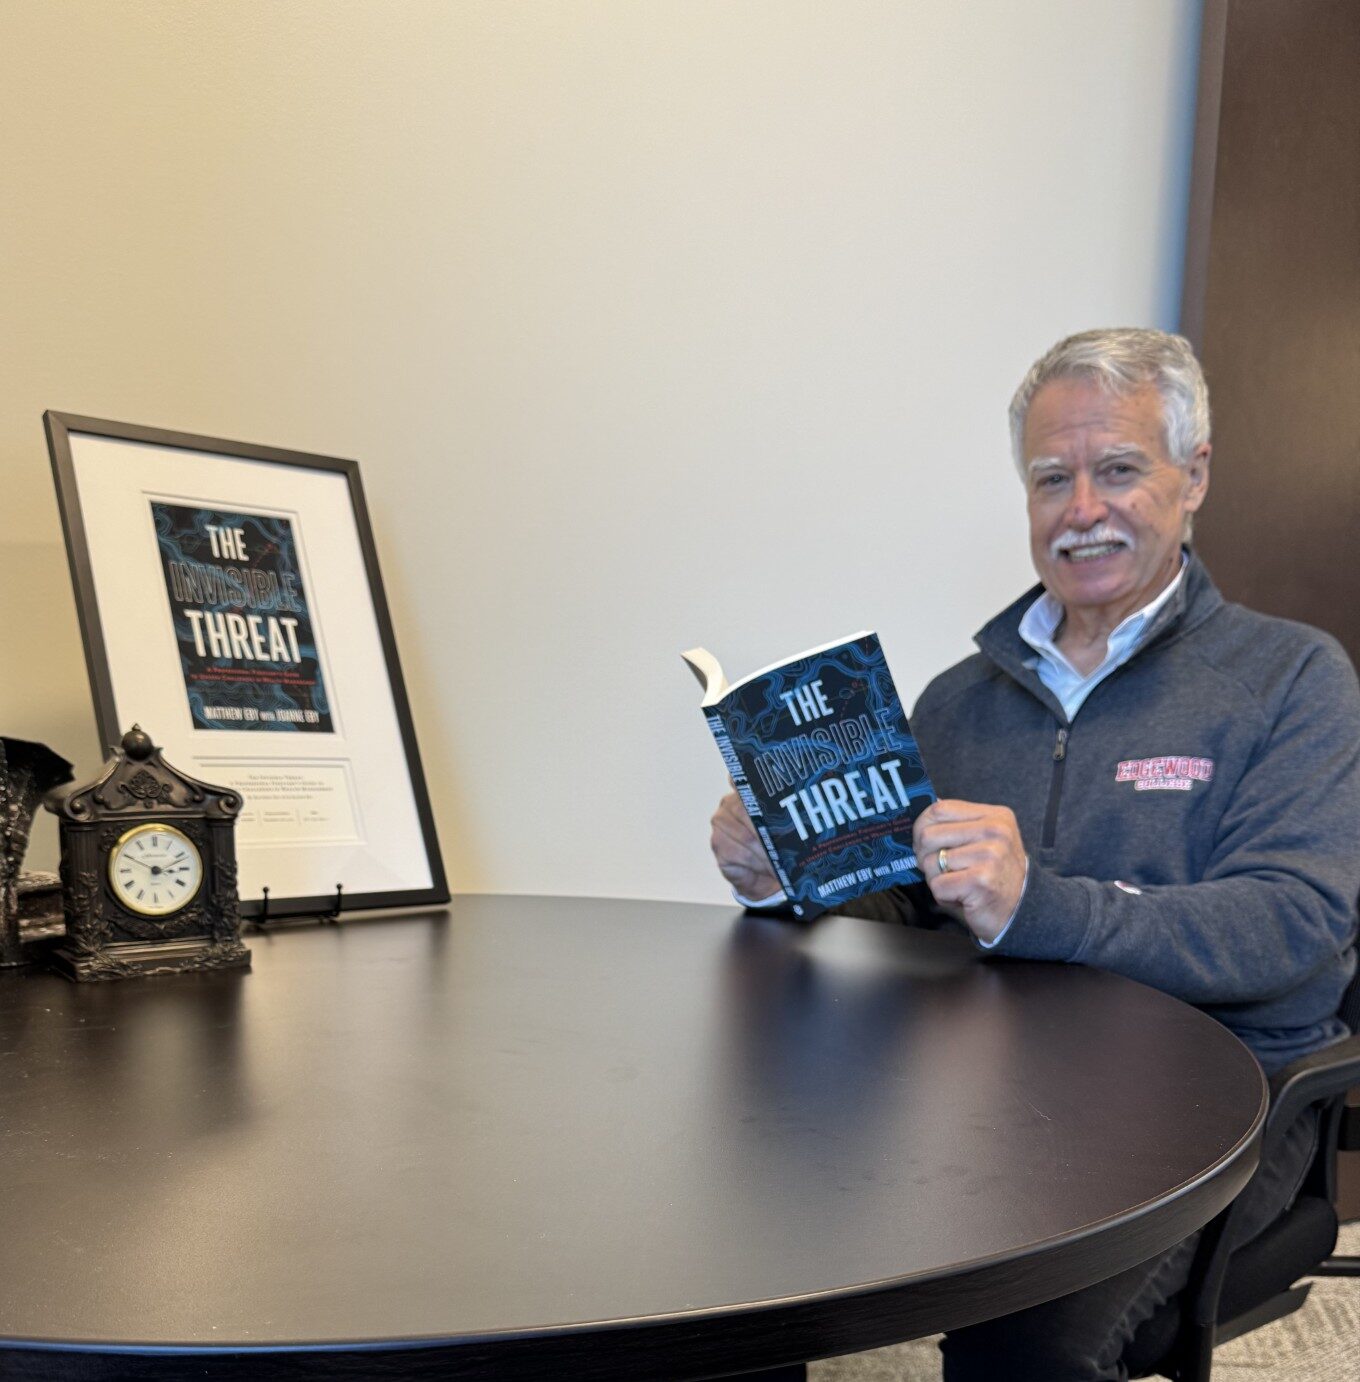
x=155 y=870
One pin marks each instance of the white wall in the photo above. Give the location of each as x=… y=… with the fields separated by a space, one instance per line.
x=652 y=322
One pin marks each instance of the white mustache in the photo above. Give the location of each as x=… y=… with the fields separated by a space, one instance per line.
x=1106 y=532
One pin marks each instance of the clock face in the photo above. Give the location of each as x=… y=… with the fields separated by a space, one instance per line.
x=155 y=870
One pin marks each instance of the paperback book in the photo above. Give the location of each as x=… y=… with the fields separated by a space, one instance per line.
x=820 y=751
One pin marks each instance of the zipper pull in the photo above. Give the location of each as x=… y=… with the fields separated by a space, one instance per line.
x=1060 y=748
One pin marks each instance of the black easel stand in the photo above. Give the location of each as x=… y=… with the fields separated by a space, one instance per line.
x=329 y=918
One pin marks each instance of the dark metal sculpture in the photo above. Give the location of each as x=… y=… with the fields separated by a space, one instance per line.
x=28 y=772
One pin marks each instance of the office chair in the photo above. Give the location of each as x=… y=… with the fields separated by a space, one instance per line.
x=1236 y=1289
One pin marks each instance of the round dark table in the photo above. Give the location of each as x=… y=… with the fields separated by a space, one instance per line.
x=570 y=1137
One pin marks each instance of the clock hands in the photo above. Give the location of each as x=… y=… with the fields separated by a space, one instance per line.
x=154 y=869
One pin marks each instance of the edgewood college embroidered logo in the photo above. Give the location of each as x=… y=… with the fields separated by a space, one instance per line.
x=1170 y=773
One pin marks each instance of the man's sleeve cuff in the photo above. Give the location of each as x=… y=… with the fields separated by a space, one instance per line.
x=1015 y=912
x=1052 y=920
x=775 y=899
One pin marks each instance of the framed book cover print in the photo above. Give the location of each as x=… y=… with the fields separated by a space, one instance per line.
x=231 y=604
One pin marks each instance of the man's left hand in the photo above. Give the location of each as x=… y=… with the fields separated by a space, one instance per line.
x=984 y=858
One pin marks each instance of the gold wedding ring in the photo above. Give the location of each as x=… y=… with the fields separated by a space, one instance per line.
x=942 y=859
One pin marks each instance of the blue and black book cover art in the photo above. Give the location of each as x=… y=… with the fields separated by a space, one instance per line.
x=246 y=641
x=821 y=753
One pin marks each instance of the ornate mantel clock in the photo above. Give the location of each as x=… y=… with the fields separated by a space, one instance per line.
x=148 y=869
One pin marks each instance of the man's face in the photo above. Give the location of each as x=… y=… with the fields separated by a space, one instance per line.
x=1107 y=505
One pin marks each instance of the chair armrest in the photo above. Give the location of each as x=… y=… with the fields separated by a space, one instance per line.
x=1311 y=1079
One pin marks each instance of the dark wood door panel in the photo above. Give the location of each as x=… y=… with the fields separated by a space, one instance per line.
x=1276 y=304
x=1272 y=301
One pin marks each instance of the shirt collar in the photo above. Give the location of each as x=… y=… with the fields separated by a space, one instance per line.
x=1041 y=621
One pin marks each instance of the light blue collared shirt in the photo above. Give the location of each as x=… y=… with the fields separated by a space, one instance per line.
x=1040 y=624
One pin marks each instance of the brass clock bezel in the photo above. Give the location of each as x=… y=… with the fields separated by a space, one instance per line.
x=156 y=828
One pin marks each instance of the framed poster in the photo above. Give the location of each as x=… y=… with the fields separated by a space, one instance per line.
x=230 y=603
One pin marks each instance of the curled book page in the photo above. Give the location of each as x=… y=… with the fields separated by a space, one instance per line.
x=710 y=675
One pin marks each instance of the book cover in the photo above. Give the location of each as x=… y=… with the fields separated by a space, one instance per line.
x=247 y=648
x=822 y=755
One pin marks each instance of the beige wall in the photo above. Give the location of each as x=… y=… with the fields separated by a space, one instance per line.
x=652 y=322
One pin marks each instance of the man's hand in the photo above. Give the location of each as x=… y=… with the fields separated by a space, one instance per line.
x=741 y=857
x=985 y=857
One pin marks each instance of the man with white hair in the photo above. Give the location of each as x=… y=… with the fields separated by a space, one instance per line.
x=1135 y=775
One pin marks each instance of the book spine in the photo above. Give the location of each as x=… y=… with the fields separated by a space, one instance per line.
x=749 y=800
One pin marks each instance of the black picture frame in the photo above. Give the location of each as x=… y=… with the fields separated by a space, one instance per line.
x=61 y=428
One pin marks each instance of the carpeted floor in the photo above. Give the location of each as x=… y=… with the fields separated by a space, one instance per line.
x=1320 y=1343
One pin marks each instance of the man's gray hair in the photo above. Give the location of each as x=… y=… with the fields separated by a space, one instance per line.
x=1123 y=360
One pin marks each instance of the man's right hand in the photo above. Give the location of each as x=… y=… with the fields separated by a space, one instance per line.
x=741 y=857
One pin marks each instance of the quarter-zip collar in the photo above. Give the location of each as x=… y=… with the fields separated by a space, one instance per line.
x=1040 y=627
x=1194 y=600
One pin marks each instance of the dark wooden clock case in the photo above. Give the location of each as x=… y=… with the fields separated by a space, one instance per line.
x=103 y=939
